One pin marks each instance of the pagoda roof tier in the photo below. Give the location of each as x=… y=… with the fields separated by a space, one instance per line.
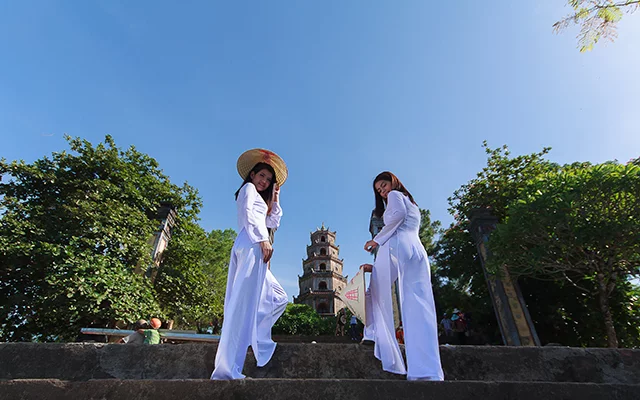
x=322 y=258
x=322 y=274
x=326 y=294
x=335 y=246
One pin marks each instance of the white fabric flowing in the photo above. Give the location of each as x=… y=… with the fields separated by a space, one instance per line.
x=254 y=299
x=369 y=333
x=273 y=302
x=402 y=256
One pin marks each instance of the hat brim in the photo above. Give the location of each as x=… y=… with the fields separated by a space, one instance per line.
x=250 y=158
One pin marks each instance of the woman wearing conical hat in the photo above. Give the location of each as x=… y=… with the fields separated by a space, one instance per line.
x=401 y=256
x=254 y=299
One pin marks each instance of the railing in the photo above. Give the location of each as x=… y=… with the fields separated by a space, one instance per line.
x=165 y=334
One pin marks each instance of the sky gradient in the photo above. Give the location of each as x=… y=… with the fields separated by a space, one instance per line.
x=341 y=90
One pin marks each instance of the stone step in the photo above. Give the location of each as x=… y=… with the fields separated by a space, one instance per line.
x=78 y=361
x=308 y=389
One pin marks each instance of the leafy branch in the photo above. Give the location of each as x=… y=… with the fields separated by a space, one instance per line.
x=598 y=20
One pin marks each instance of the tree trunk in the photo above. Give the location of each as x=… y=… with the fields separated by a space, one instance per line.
x=603 y=299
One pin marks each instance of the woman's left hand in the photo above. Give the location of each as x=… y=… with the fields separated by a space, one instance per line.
x=370 y=246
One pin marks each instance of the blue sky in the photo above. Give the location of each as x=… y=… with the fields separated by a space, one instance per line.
x=341 y=90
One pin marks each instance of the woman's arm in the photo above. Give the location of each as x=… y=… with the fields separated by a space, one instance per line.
x=394 y=217
x=256 y=229
x=273 y=219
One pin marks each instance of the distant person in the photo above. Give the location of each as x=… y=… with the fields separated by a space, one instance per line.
x=468 y=320
x=459 y=326
x=136 y=337
x=353 y=329
x=341 y=321
x=400 y=334
x=447 y=325
x=151 y=335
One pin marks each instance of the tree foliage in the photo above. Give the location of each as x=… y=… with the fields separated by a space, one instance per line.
x=73 y=229
x=458 y=278
x=598 y=20
x=561 y=312
x=301 y=319
x=428 y=231
x=191 y=285
x=459 y=282
x=579 y=224
x=451 y=285
x=499 y=183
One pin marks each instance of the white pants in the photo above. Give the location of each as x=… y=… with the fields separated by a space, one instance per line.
x=253 y=303
x=418 y=314
x=273 y=302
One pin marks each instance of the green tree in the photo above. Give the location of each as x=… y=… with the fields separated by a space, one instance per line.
x=192 y=280
x=561 y=312
x=500 y=183
x=452 y=288
x=428 y=231
x=578 y=225
x=598 y=19
x=301 y=319
x=73 y=228
x=459 y=281
x=566 y=314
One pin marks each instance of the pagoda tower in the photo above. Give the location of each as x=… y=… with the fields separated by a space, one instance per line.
x=321 y=274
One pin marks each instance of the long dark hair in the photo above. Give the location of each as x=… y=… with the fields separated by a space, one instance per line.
x=395 y=185
x=267 y=194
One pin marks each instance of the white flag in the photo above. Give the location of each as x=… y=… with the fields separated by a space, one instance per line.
x=353 y=296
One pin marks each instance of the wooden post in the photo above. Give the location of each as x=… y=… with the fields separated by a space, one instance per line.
x=511 y=311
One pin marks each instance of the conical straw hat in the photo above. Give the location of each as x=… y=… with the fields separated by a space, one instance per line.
x=250 y=158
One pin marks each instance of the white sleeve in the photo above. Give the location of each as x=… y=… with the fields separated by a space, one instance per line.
x=247 y=219
x=273 y=219
x=394 y=216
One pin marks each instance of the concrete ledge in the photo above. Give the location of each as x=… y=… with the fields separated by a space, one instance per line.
x=78 y=362
x=310 y=389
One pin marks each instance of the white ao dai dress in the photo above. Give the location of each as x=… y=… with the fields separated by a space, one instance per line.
x=254 y=299
x=402 y=256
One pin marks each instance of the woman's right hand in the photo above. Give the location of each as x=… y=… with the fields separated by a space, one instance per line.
x=276 y=193
x=370 y=245
x=267 y=251
x=366 y=267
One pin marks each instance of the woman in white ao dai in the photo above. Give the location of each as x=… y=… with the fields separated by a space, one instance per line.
x=402 y=256
x=254 y=299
